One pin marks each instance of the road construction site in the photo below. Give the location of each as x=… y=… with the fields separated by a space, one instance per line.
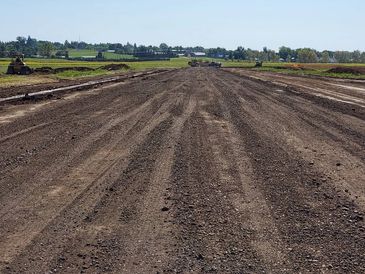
x=200 y=170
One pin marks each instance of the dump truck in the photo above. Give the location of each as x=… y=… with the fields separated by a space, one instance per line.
x=18 y=66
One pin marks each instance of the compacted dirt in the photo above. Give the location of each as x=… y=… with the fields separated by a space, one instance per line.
x=195 y=170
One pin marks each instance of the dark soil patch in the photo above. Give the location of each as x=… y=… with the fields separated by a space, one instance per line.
x=293 y=67
x=349 y=70
x=44 y=70
x=58 y=70
x=49 y=70
x=115 y=67
x=109 y=67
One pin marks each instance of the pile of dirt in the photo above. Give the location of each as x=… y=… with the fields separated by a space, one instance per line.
x=349 y=70
x=109 y=67
x=58 y=70
x=115 y=67
x=44 y=70
x=292 y=67
x=49 y=70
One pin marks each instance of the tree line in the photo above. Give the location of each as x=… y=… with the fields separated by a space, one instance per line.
x=31 y=47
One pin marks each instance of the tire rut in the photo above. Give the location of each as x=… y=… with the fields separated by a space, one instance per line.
x=194 y=171
x=317 y=224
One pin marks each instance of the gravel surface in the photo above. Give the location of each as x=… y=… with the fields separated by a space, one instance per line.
x=195 y=170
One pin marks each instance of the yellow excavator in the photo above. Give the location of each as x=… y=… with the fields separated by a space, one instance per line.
x=18 y=66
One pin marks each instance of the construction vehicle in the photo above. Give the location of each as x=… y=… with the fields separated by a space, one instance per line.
x=258 y=64
x=194 y=63
x=215 y=64
x=197 y=63
x=18 y=66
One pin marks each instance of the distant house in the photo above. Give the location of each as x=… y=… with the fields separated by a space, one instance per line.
x=197 y=54
x=111 y=51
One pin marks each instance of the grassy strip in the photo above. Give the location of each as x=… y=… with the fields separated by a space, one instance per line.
x=16 y=80
x=73 y=53
x=58 y=63
x=316 y=69
x=313 y=72
x=19 y=80
x=72 y=74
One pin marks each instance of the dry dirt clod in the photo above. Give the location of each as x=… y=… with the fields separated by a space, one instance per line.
x=193 y=170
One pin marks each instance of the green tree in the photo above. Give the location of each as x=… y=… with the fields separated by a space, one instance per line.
x=307 y=55
x=164 y=47
x=356 y=56
x=240 y=53
x=285 y=53
x=45 y=49
x=67 y=44
x=2 y=49
x=31 y=47
x=20 y=44
x=363 y=57
x=272 y=56
x=343 y=56
x=325 y=57
x=128 y=48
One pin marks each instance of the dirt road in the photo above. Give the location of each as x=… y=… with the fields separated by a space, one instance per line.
x=195 y=170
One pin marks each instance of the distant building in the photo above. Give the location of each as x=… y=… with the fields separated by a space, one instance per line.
x=197 y=54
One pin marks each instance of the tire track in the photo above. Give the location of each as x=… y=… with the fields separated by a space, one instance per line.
x=305 y=211
x=233 y=163
x=322 y=138
x=195 y=171
x=50 y=198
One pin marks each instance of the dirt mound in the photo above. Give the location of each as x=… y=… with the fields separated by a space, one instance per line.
x=292 y=67
x=57 y=70
x=110 y=67
x=49 y=70
x=115 y=67
x=349 y=70
x=44 y=70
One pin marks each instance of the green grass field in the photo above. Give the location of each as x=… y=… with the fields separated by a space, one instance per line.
x=8 y=80
x=316 y=69
x=115 y=56
x=57 y=63
x=73 y=53
x=18 y=80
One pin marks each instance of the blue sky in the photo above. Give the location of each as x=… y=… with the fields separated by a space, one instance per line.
x=320 y=24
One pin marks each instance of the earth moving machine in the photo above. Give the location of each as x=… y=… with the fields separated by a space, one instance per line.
x=196 y=63
x=258 y=64
x=215 y=64
x=193 y=63
x=18 y=66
